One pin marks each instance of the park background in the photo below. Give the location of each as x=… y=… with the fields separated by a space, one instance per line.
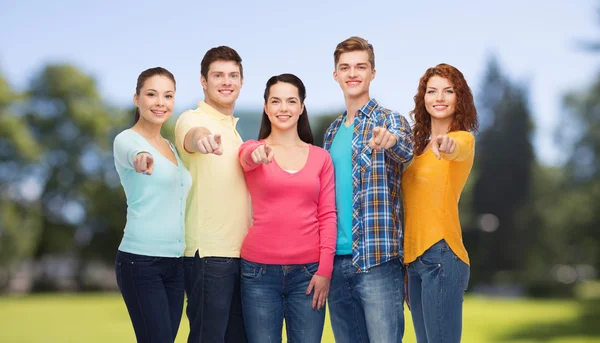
x=530 y=211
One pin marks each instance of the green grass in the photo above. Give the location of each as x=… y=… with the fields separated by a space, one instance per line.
x=103 y=318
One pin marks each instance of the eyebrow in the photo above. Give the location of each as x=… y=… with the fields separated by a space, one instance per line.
x=358 y=64
x=154 y=90
x=277 y=98
x=429 y=87
x=222 y=72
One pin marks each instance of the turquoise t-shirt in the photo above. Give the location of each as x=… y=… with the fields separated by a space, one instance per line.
x=155 y=203
x=341 y=155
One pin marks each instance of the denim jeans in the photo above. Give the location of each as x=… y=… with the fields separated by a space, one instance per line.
x=152 y=288
x=367 y=307
x=272 y=293
x=437 y=281
x=214 y=306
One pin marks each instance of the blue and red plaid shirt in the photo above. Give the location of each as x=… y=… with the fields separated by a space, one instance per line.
x=377 y=208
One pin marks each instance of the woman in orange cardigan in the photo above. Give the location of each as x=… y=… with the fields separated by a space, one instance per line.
x=438 y=263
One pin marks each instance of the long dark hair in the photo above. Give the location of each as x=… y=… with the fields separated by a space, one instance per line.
x=145 y=75
x=303 y=125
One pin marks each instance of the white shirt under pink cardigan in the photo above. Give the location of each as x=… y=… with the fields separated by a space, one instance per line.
x=294 y=216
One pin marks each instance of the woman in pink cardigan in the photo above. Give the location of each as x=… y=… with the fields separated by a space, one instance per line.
x=287 y=256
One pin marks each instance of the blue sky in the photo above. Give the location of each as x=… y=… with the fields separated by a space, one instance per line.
x=534 y=40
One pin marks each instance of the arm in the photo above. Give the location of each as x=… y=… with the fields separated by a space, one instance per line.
x=464 y=146
x=248 y=149
x=398 y=126
x=326 y=215
x=125 y=150
x=130 y=155
x=192 y=136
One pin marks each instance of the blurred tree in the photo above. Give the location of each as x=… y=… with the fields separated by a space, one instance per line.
x=20 y=218
x=79 y=196
x=319 y=124
x=502 y=187
x=582 y=184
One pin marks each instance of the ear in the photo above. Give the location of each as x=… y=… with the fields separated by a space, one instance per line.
x=302 y=111
x=135 y=100
x=265 y=107
x=373 y=74
x=203 y=82
x=241 y=82
x=335 y=76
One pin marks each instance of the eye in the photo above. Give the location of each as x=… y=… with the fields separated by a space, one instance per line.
x=450 y=91
x=150 y=94
x=274 y=101
x=430 y=92
x=362 y=68
x=169 y=96
x=235 y=76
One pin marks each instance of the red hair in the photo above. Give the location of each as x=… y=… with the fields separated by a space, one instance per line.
x=465 y=116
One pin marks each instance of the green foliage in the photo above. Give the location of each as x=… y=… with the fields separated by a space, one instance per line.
x=70 y=318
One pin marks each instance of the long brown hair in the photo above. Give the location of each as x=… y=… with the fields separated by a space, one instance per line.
x=465 y=116
x=304 y=130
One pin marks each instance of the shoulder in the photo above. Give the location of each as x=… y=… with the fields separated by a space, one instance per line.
x=319 y=153
x=384 y=113
x=192 y=116
x=125 y=137
x=336 y=122
x=462 y=135
x=251 y=142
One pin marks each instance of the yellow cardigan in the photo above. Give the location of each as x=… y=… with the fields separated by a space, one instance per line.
x=431 y=190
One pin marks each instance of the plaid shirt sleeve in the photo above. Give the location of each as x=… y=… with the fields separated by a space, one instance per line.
x=396 y=124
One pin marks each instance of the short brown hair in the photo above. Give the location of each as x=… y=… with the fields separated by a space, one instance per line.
x=220 y=53
x=354 y=44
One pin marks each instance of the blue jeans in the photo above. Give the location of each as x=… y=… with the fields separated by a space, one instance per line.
x=152 y=288
x=367 y=307
x=214 y=307
x=437 y=281
x=272 y=293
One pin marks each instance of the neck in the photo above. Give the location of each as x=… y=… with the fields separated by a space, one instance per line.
x=224 y=109
x=440 y=126
x=353 y=104
x=147 y=129
x=284 y=138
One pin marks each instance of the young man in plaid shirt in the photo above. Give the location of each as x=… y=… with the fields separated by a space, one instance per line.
x=368 y=145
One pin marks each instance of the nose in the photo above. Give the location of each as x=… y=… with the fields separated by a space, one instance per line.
x=159 y=101
x=352 y=72
x=283 y=106
x=440 y=97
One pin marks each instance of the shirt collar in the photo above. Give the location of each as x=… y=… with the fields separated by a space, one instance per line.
x=213 y=112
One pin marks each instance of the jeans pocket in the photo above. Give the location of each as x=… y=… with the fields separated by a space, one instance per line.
x=311 y=268
x=218 y=260
x=250 y=270
x=135 y=259
x=464 y=272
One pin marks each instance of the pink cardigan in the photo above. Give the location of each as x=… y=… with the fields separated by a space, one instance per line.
x=294 y=216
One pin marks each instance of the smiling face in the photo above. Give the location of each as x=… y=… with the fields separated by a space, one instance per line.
x=284 y=106
x=156 y=99
x=354 y=73
x=440 y=98
x=222 y=84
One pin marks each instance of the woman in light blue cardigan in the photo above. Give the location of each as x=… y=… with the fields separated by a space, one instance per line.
x=149 y=263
